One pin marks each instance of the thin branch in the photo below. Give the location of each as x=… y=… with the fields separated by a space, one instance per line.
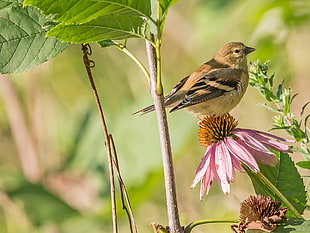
x=124 y=195
x=124 y=49
x=171 y=200
x=88 y=65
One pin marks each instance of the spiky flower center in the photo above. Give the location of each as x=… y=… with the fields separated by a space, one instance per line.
x=214 y=129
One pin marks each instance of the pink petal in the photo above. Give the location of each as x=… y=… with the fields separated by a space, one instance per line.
x=272 y=144
x=262 y=157
x=227 y=162
x=223 y=166
x=273 y=136
x=251 y=141
x=203 y=166
x=236 y=164
x=239 y=149
x=206 y=183
x=275 y=145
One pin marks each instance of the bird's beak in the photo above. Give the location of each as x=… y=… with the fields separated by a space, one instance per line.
x=249 y=50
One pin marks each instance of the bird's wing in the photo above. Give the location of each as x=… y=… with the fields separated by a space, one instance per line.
x=166 y=98
x=211 y=85
x=176 y=88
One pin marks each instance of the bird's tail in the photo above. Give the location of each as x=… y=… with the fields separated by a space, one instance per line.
x=146 y=110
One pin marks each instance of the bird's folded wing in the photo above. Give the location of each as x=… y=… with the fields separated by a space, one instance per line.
x=176 y=88
x=210 y=86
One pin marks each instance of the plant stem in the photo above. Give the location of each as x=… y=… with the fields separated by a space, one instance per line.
x=124 y=49
x=190 y=227
x=279 y=194
x=88 y=65
x=126 y=206
x=171 y=201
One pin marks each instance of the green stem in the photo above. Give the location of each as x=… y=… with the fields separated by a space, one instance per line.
x=124 y=49
x=190 y=227
x=159 y=86
x=279 y=194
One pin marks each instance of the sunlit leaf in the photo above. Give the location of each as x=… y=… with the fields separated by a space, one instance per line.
x=108 y=27
x=82 y=11
x=23 y=44
x=304 y=164
x=165 y=4
x=142 y=7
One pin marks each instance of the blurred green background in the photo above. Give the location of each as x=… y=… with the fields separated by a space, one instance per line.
x=53 y=166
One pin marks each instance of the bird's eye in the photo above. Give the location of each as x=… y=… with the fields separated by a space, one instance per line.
x=237 y=51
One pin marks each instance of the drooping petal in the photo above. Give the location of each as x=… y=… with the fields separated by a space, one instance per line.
x=268 y=142
x=278 y=146
x=262 y=157
x=223 y=166
x=251 y=141
x=203 y=166
x=236 y=164
x=272 y=144
x=227 y=162
x=256 y=148
x=238 y=149
x=206 y=183
x=273 y=136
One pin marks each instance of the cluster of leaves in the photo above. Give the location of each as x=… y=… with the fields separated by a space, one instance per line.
x=282 y=98
x=285 y=177
x=34 y=31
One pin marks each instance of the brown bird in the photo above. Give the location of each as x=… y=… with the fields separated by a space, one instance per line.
x=215 y=87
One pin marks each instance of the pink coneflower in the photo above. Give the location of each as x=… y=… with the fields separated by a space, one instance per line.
x=228 y=147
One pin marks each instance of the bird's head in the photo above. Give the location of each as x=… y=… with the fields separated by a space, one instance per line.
x=233 y=54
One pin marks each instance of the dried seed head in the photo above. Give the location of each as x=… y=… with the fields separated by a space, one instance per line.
x=259 y=212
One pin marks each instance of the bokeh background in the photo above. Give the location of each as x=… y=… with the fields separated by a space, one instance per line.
x=53 y=166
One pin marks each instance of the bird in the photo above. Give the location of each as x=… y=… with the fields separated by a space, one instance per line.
x=214 y=88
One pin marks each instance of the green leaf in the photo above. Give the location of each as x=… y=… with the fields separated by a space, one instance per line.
x=96 y=20
x=304 y=164
x=268 y=107
x=40 y=204
x=142 y=7
x=106 y=43
x=285 y=177
x=303 y=108
x=294 y=225
x=302 y=149
x=279 y=91
x=23 y=44
x=165 y=5
x=108 y=27
x=4 y=5
x=82 y=11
